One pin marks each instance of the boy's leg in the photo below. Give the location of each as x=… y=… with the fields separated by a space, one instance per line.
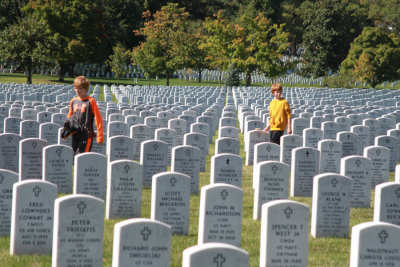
x=81 y=145
x=275 y=137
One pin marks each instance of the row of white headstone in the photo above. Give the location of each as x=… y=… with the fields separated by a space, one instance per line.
x=281 y=251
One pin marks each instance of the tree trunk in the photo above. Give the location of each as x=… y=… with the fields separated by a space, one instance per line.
x=28 y=75
x=167 y=78
x=63 y=70
x=199 y=76
x=248 y=79
x=219 y=76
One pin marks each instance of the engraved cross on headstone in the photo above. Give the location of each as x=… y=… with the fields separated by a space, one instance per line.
x=334 y=182
x=127 y=168
x=358 y=163
x=121 y=142
x=227 y=161
x=224 y=194
x=382 y=236
x=145 y=233
x=81 y=206
x=36 y=190
x=34 y=145
x=187 y=152
x=58 y=152
x=1 y=178
x=378 y=152
x=219 y=260
x=397 y=191
x=288 y=211
x=268 y=148
x=307 y=153
x=274 y=169
x=172 y=181
x=155 y=146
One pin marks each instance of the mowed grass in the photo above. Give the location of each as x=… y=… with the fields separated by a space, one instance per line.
x=322 y=251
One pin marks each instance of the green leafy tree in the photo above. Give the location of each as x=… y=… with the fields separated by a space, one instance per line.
x=330 y=27
x=164 y=50
x=10 y=12
x=196 y=53
x=385 y=13
x=233 y=78
x=24 y=44
x=374 y=57
x=121 y=17
x=76 y=31
x=118 y=60
x=260 y=46
x=218 y=45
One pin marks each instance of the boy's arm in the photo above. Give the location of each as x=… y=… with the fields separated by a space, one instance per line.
x=70 y=112
x=99 y=122
x=289 y=128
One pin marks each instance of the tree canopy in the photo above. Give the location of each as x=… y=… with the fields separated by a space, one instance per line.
x=330 y=27
x=163 y=51
x=374 y=57
x=75 y=28
x=24 y=44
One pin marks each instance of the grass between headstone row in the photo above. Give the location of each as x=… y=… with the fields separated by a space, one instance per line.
x=322 y=251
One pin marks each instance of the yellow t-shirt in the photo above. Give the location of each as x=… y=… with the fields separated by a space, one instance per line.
x=279 y=113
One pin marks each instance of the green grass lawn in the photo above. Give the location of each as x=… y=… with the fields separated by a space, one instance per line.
x=322 y=251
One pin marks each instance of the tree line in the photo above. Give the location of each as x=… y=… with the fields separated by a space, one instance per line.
x=355 y=40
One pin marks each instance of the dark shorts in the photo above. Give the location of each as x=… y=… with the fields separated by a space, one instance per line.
x=275 y=137
x=81 y=144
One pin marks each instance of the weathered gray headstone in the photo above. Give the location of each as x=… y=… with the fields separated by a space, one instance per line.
x=141 y=242
x=139 y=133
x=305 y=165
x=90 y=174
x=284 y=234
x=153 y=157
x=124 y=189
x=288 y=143
x=170 y=202
x=78 y=231
x=271 y=182
x=9 y=151
x=200 y=141
x=57 y=167
x=330 y=155
x=120 y=147
x=252 y=138
x=220 y=218
x=311 y=137
x=386 y=207
x=358 y=169
x=392 y=143
x=29 y=129
x=31 y=158
x=32 y=217
x=215 y=254
x=226 y=168
x=48 y=131
x=349 y=142
x=7 y=180
x=379 y=157
x=331 y=205
x=375 y=244
x=168 y=136
x=186 y=160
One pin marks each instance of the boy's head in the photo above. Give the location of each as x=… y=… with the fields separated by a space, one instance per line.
x=276 y=87
x=81 y=83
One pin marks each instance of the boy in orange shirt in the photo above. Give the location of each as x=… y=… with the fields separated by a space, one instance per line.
x=83 y=110
x=279 y=115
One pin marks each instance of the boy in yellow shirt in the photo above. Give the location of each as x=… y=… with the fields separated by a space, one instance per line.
x=279 y=115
